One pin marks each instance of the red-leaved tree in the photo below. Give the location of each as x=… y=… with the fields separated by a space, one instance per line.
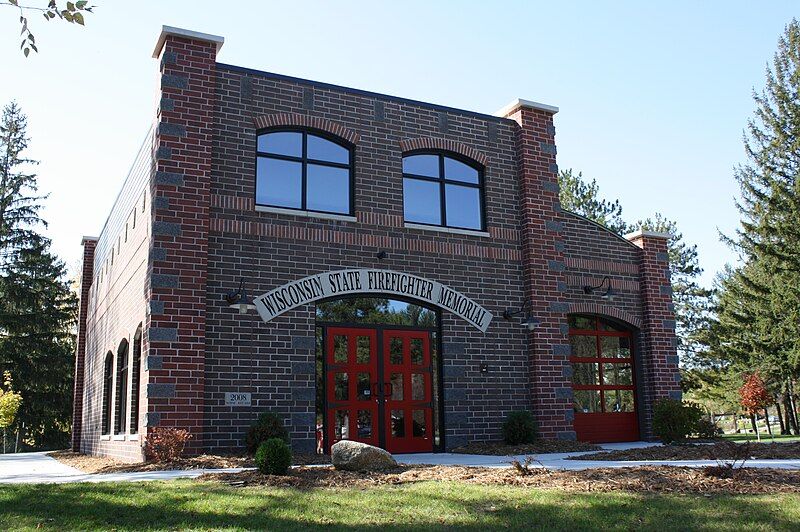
x=754 y=397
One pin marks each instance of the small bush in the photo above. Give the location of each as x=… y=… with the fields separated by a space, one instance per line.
x=273 y=457
x=674 y=420
x=268 y=426
x=165 y=444
x=707 y=429
x=520 y=427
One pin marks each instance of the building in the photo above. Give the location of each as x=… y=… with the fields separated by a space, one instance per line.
x=414 y=276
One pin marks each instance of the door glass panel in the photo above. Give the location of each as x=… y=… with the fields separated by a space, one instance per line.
x=341 y=425
x=397 y=386
x=618 y=400
x=396 y=351
x=617 y=374
x=586 y=401
x=581 y=322
x=417 y=387
x=416 y=351
x=364 y=424
x=615 y=347
x=398 y=421
x=605 y=326
x=418 y=423
x=363 y=350
x=364 y=391
x=340 y=382
x=583 y=373
x=583 y=346
x=340 y=349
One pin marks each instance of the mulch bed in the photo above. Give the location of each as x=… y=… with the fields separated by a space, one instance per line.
x=538 y=447
x=714 y=451
x=102 y=464
x=650 y=479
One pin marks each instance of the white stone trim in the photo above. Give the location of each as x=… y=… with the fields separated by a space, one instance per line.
x=189 y=34
x=451 y=230
x=119 y=437
x=105 y=437
x=307 y=214
x=85 y=239
x=652 y=234
x=516 y=104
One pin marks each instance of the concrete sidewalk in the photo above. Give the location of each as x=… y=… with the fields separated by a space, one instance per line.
x=38 y=468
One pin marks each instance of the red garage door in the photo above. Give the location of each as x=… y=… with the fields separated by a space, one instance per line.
x=603 y=381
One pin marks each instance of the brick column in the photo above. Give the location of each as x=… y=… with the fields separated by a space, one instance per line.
x=177 y=264
x=544 y=266
x=87 y=274
x=657 y=339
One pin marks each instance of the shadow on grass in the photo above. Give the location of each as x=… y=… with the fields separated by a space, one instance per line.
x=187 y=504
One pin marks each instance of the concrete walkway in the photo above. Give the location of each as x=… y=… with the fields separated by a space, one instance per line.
x=38 y=468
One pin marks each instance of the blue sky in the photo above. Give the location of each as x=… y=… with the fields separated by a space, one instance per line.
x=653 y=96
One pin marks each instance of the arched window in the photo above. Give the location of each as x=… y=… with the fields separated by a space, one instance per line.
x=297 y=169
x=122 y=387
x=108 y=383
x=136 y=370
x=440 y=189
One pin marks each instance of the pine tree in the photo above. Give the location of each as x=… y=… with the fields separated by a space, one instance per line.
x=581 y=197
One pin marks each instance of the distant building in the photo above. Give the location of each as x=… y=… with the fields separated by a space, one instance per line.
x=414 y=276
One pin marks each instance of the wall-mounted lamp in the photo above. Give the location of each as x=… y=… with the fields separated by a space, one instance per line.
x=239 y=299
x=381 y=254
x=528 y=320
x=608 y=294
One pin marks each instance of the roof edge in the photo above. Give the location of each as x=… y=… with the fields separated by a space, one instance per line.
x=188 y=34
x=650 y=234
x=528 y=104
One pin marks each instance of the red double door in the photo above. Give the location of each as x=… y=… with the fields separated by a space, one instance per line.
x=379 y=388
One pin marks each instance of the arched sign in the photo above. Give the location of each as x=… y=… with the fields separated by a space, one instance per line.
x=370 y=281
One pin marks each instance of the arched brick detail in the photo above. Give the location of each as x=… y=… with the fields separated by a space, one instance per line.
x=431 y=143
x=298 y=120
x=605 y=310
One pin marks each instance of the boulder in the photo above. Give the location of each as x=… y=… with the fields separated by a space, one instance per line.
x=357 y=456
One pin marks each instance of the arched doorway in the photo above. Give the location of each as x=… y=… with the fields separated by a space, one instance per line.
x=378 y=371
x=603 y=380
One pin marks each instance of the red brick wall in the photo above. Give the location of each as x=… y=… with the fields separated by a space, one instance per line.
x=87 y=273
x=176 y=282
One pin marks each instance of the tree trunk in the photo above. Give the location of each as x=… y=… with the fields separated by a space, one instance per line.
x=766 y=418
x=794 y=409
x=755 y=427
x=784 y=430
x=790 y=414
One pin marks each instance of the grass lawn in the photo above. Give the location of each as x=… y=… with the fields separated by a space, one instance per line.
x=186 y=504
x=764 y=437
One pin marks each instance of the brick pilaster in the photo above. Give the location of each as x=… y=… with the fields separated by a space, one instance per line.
x=87 y=274
x=543 y=258
x=177 y=265
x=658 y=338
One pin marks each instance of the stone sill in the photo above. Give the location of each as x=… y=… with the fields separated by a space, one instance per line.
x=451 y=230
x=307 y=214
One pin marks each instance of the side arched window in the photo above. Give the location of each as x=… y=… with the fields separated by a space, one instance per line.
x=302 y=170
x=136 y=371
x=108 y=383
x=442 y=189
x=122 y=388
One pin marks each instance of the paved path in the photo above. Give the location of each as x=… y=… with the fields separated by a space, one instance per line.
x=38 y=468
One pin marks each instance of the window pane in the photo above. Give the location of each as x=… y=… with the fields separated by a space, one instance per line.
x=398 y=423
x=418 y=423
x=421 y=202
x=605 y=326
x=396 y=350
x=585 y=373
x=364 y=423
x=328 y=189
x=583 y=346
x=416 y=351
x=615 y=346
x=417 y=387
x=341 y=389
x=363 y=387
x=340 y=349
x=458 y=171
x=581 y=322
x=617 y=374
x=463 y=207
x=325 y=150
x=341 y=425
x=282 y=143
x=618 y=400
x=427 y=165
x=363 y=350
x=397 y=387
x=586 y=401
x=279 y=183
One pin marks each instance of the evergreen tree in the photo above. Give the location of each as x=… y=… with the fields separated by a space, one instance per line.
x=582 y=197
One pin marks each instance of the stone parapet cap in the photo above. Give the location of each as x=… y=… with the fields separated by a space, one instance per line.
x=528 y=104
x=649 y=234
x=186 y=34
x=85 y=239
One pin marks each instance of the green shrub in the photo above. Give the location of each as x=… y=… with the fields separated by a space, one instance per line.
x=520 y=427
x=274 y=457
x=267 y=426
x=707 y=429
x=674 y=420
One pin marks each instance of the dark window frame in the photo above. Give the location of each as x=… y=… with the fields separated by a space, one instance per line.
x=121 y=410
x=304 y=162
x=136 y=371
x=108 y=386
x=443 y=181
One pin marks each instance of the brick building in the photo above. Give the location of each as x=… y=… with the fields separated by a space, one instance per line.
x=414 y=277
